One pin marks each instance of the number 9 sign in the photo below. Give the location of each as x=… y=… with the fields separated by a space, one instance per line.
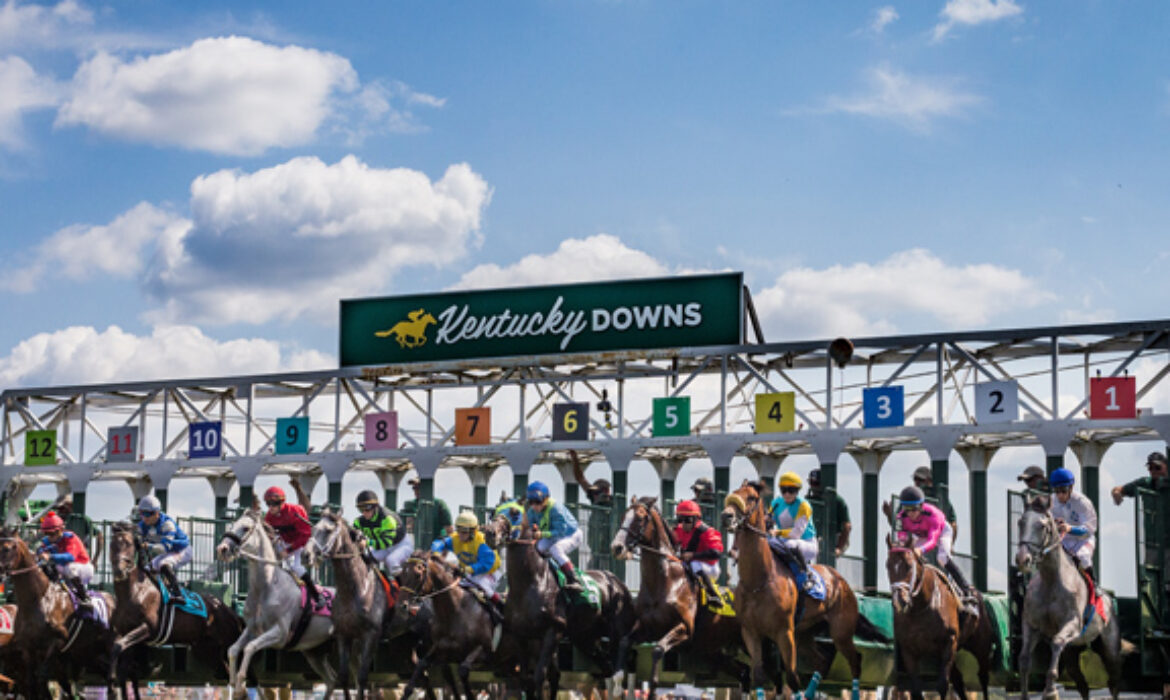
x=292 y=435
x=570 y=421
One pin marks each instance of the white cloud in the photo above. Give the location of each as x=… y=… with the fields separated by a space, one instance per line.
x=293 y=239
x=912 y=101
x=973 y=12
x=23 y=91
x=870 y=299
x=598 y=257
x=42 y=26
x=85 y=355
x=229 y=95
x=115 y=249
x=883 y=17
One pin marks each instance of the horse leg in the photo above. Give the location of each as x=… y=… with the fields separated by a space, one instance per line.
x=318 y=658
x=271 y=637
x=754 y=644
x=946 y=663
x=1059 y=641
x=841 y=629
x=1071 y=663
x=957 y=678
x=670 y=640
x=1030 y=637
x=366 y=659
x=420 y=670
x=465 y=669
x=910 y=661
x=548 y=647
x=1108 y=647
x=134 y=636
x=786 y=644
x=343 y=646
x=234 y=652
x=449 y=676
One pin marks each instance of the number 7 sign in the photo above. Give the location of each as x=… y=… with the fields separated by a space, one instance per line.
x=473 y=426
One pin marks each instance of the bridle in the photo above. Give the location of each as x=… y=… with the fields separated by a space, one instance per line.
x=914 y=587
x=1051 y=541
x=636 y=541
x=126 y=562
x=25 y=570
x=328 y=549
x=423 y=594
x=736 y=502
x=237 y=542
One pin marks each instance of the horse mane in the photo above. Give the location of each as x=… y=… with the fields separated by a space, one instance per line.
x=1040 y=504
x=651 y=503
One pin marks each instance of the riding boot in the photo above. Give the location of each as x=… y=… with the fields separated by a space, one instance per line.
x=1091 y=574
x=798 y=557
x=709 y=586
x=961 y=581
x=368 y=558
x=172 y=581
x=572 y=583
x=79 y=590
x=311 y=588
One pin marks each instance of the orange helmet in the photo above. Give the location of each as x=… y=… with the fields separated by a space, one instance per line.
x=52 y=522
x=688 y=508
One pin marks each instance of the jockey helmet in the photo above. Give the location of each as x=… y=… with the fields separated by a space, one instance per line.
x=274 y=493
x=466 y=519
x=702 y=484
x=790 y=479
x=912 y=496
x=52 y=522
x=367 y=498
x=149 y=504
x=1061 y=477
x=688 y=508
x=537 y=491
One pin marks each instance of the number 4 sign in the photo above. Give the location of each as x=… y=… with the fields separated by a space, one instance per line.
x=776 y=413
x=1113 y=397
x=997 y=402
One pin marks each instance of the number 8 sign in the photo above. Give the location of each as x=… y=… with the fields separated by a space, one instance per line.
x=382 y=431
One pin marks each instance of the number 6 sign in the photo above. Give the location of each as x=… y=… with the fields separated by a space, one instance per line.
x=997 y=402
x=570 y=421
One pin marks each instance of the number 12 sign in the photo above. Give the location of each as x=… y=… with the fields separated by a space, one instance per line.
x=204 y=440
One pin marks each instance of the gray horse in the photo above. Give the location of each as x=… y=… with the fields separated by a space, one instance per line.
x=273 y=606
x=1054 y=607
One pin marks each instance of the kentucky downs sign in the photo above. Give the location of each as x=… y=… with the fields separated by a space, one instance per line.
x=571 y=318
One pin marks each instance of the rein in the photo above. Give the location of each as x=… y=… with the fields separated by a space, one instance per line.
x=1042 y=550
x=910 y=587
x=415 y=595
x=239 y=542
x=640 y=543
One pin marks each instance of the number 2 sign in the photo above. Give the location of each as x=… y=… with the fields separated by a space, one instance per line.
x=997 y=402
x=473 y=426
x=1113 y=397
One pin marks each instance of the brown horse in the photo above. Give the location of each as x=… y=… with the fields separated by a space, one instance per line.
x=462 y=627
x=48 y=635
x=667 y=609
x=141 y=617
x=927 y=622
x=766 y=601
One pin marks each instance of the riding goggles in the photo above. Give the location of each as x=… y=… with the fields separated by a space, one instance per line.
x=1062 y=489
x=686 y=519
x=789 y=489
x=272 y=504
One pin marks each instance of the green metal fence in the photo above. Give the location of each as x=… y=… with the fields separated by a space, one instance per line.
x=1152 y=525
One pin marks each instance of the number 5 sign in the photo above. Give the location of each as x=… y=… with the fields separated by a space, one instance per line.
x=1113 y=397
x=473 y=426
x=997 y=402
x=672 y=416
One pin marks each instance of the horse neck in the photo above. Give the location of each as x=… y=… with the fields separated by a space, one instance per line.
x=525 y=569
x=1055 y=566
x=260 y=572
x=447 y=603
x=30 y=586
x=655 y=566
x=755 y=556
x=350 y=572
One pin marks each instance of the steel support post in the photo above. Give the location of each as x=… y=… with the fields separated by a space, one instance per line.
x=79 y=502
x=334 y=497
x=870 y=508
x=161 y=495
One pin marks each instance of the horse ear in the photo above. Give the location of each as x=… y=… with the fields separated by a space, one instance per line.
x=633 y=500
x=255 y=502
x=889 y=541
x=652 y=501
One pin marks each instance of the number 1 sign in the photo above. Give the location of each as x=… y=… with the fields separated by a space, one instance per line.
x=1113 y=397
x=997 y=402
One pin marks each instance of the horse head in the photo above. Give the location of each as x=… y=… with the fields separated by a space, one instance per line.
x=1039 y=534
x=328 y=537
x=638 y=528
x=496 y=531
x=14 y=553
x=744 y=508
x=240 y=532
x=906 y=570
x=422 y=574
x=125 y=550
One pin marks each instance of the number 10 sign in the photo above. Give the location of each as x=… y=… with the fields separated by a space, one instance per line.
x=204 y=440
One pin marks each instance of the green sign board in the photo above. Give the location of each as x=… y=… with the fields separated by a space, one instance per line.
x=672 y=416
x=572 y=318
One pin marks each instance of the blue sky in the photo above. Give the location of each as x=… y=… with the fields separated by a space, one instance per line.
x=189 y=188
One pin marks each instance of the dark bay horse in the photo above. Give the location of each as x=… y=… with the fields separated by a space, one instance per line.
x=362 y=607
x=927 y=622
x=141 y=618
x=48 y=635
x=766 y=602
x=667 y=610
x=1055 y=604
x=462 y=628
x=537 y=616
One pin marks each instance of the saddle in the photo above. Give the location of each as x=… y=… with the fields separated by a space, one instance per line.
x=723 y=606
x=323 y=607
x=589 y=594
x=780 y=551
x=390 y=586
x=190 y=603
x=967 y=604
x=1096 y=606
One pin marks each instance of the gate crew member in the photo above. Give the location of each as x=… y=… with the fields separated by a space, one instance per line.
x=1076 y=518
x=838 y=507
x=390 y=544
x=67 y=552
x=792 y=518
x=699 y=546
x=293 y=530
x=168 y=544
x=1158 y=480
x=479 y=562
x=512 y=511
x=924 y=527
x=555 y=530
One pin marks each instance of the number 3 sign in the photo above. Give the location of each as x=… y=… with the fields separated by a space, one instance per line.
x=997 y=402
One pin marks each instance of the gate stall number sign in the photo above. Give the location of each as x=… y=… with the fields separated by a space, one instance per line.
x=473 y=426
x=292 y=435
x=1113 y=397
x=205 y=440
x=122 y=444
x=40 y=448
x=382 y=431
x=570 y=421
x=997 y=402
x=776 y=413
x=884 y=407
x=672 y=416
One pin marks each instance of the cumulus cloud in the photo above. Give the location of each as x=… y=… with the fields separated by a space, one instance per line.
x=598 y=257
x=973 y=12
x=85 y=355
x=293 y=239
x=912 y=101
x=871 y=298
x=42 y=26
x=23 y=91
x=116 y=249
x=883 y=17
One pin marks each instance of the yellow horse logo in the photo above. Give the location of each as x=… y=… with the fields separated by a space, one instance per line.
x=412 y=333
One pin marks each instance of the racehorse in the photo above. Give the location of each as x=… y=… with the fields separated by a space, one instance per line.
x=1055 y=606
x=537 y=615
x=927 y=622
x=49 y=633
x=141 y=616
x=362 y=607
x=767 y=600
x=274 y=605
x=462 y=627
x=667 y=608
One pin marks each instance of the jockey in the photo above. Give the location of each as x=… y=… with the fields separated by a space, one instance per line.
x=389 y=542
x=168 y=544
x=555 y=529
x=792 y=516
x=699 y=546
x=514 y=512
x=479 y=562
x=67 y=553
x=1076 y=518
x=294 y=530
x=924 y=527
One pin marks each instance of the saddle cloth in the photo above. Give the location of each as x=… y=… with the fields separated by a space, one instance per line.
x=1097 y=604
x=389 y=586
x=6 y=626
x=190 y=603
x=96 y=611
x=723 y=606
x=965 y=601
x=784 y=556
x=589 y=594
x=323 y=606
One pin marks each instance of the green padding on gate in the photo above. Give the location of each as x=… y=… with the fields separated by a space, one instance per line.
x=1000 y=609
x=879 y=611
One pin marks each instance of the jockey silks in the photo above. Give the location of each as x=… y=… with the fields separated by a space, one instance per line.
x=383 y=531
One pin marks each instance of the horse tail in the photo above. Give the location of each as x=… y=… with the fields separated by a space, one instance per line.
x=869 y=632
